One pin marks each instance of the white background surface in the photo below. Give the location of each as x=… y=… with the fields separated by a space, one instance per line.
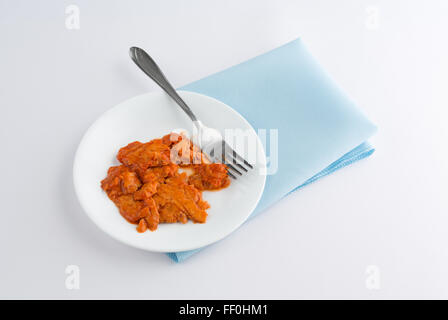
x=389 y=211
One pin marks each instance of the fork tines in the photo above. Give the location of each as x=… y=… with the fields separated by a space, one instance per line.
x=236 y=164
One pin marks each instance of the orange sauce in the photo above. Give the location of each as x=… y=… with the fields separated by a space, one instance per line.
x=148 y=187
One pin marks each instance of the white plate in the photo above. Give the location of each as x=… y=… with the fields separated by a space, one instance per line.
x=151 y=116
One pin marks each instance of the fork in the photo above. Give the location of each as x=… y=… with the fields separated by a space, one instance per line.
x=210 y=140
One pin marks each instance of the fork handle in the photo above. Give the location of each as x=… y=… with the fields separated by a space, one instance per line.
x=148 y=66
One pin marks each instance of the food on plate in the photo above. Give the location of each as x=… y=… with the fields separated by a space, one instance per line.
x=149 y=188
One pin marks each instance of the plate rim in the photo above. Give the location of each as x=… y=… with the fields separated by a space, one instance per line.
x=75 y=169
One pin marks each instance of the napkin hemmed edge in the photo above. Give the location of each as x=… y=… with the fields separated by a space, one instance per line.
x=360 y=152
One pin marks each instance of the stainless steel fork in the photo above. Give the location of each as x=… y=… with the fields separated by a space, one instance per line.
x=210 y=140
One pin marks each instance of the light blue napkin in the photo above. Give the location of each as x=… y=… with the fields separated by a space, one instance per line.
x=320 y=130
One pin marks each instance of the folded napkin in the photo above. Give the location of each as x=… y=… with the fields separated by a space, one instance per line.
x=320 y=130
